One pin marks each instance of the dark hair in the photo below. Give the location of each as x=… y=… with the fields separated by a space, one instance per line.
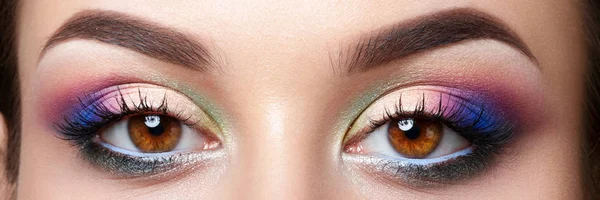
x=10 y=94
x=9 y=90
x=591 y=142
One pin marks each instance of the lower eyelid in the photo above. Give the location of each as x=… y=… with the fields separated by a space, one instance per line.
x=136 y=165
x=88 y=117
x=485 y=126
x=431 y=161
x=449 y=169
x=135 y=153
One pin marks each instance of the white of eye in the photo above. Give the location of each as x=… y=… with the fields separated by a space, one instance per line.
x=118 y=139
x=377 y=142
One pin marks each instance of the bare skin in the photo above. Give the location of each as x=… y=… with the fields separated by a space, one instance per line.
x=285 y=109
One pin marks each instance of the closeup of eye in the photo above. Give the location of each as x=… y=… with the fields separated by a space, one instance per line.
x=138 y=131
x=413 y=138
x=154 y=133
x=426 y=137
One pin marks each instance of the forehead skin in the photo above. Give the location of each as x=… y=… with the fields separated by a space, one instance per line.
x=260 y=42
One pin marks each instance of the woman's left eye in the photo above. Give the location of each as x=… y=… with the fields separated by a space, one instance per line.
x=153 y=133
x=412 y=138
x=427 y=136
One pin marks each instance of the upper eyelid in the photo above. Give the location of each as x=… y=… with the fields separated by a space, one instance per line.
x=419 y=111
x=447 y=95
x=114 y=100
x=440 y=92
x=145 y=105
x=129 y=91
x=180 y=97
x=486 y=143
x=83 y=123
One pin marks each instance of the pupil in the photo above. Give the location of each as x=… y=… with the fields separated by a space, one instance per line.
x=410 y=129
x=155 y=127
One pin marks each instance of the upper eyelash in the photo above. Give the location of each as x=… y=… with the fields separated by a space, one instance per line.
x=421 y=112
x=81 y=128
x=92 y=114
x=487 y=141
x=494 y=134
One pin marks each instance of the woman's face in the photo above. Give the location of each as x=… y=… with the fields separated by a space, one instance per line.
x=466 y=99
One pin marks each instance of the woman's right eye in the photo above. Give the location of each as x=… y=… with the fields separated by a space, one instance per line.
x=154 y=133
x=140 y=130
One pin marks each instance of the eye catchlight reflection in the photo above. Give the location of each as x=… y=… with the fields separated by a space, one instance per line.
x=427 y=136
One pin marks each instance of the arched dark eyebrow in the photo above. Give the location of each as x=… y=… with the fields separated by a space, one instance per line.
x=135 y=34
x=426 y=32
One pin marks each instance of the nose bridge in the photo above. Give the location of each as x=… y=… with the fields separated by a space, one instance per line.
x=273 y=152
x=276 y=116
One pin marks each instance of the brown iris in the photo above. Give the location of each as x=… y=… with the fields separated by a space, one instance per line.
x=154 y=133
x=415 y=138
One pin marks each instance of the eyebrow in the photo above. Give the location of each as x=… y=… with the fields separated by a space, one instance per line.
x=135 y=34
x=424 y=33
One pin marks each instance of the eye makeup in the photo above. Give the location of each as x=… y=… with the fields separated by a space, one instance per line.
x=94 y=112
x=475 y=117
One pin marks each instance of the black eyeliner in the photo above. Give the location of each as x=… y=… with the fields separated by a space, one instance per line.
x=487 y=134
x=83 y=127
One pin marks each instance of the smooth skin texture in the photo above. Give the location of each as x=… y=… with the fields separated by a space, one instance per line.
x=283 y=104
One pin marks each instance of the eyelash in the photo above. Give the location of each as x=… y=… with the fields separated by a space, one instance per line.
x=476 y=130
x=487 y=139
x=82 y=129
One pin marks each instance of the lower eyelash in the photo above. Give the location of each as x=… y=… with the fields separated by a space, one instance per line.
x=132 y=166
x=487 y=134
x=432 y=161
x=429 y=175
x=83 y=127
x=135 y=154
